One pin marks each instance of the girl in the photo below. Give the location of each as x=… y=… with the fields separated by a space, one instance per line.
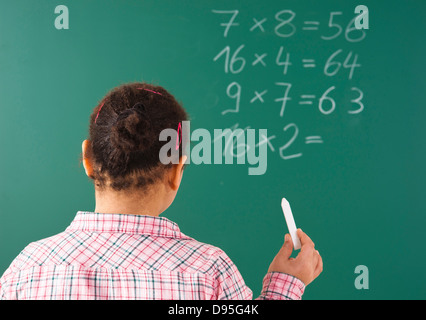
x=124 y=250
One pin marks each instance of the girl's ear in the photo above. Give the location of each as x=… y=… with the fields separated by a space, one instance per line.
x=86 y=161
x=176 y=172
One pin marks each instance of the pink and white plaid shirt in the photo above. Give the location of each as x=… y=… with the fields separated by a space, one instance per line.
x=120 y=256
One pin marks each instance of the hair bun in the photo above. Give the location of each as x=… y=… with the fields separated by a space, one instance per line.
x=132 y=130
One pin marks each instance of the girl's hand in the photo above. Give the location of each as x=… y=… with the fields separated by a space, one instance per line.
x=306 y=266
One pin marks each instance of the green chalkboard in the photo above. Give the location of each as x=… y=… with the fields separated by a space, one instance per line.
x=344 y=111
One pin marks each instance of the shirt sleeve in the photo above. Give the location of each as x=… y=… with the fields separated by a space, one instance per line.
x=281 y=286
x=276 y=285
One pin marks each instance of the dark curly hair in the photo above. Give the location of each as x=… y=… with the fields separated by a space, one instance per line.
x=124 y=135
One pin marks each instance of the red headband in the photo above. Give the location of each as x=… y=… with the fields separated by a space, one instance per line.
x=99 y=111
x=150 y=91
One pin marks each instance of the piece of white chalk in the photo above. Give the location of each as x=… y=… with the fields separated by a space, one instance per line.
x=288 y=215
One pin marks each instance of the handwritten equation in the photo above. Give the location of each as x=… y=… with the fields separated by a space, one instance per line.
x=284 y=25
x=236 y=59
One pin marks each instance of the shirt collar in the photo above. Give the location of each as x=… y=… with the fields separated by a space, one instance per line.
x=125 y=223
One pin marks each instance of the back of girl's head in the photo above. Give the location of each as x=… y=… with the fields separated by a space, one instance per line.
x=124 y=135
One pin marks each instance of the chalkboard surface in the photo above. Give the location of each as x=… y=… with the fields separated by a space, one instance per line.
x=344 y=110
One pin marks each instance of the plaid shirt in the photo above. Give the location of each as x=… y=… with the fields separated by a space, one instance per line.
x=120 y=256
